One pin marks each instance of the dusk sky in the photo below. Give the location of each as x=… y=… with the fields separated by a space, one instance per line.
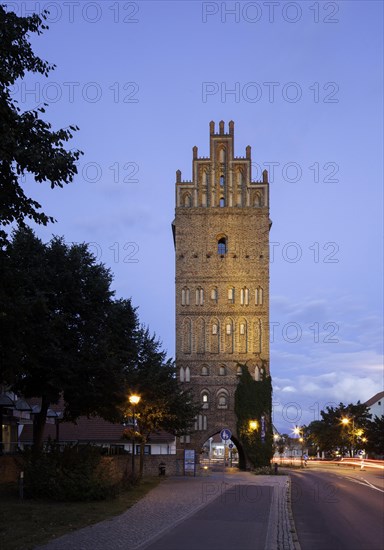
x=303 y=83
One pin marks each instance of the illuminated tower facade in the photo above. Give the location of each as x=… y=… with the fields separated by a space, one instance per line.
x=221 y=236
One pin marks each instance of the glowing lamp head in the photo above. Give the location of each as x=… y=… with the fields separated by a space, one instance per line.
x=253 y=425
x=134 y=399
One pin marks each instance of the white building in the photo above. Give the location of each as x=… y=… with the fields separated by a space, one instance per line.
x=376 y=405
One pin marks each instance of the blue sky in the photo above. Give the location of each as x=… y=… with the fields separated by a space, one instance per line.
x=303 y=83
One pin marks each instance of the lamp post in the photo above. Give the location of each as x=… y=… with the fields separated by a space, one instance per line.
x=298 y=431
x=134 y=400
x=345 y=421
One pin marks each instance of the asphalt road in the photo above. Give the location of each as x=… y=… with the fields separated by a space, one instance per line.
x=238 y=519
x=339 y=509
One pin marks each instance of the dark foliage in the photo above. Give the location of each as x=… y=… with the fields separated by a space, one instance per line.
x=253 y=401
x=28 y=145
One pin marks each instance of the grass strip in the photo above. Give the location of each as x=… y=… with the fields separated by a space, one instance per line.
x=28 y=523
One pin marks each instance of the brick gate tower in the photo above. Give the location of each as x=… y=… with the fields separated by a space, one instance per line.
x=221 y=236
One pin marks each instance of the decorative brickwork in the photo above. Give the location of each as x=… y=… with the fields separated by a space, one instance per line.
x=221 y=235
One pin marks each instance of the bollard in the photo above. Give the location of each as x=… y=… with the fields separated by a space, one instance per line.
x=21 y=486
x=275 y=468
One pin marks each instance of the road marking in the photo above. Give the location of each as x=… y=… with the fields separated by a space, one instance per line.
x=364 y=482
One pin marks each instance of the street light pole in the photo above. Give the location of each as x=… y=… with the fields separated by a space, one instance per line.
x=134 y=400
x=346 y=421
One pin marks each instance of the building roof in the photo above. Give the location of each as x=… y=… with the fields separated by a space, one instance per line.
x=89 y=430
x=374 y=399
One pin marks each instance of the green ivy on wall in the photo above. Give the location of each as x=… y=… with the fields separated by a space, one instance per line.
x=253 y=408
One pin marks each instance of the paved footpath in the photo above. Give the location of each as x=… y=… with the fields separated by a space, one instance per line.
x=179 y=504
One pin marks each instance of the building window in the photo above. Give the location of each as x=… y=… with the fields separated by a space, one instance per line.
x=187 y=374
x=204 y=399
x=222 y=181
x=222 y=202
x=185 y=297
x=214 y=294
x=199 y=296
x=228 y=328
x=222 y=399
x=185 y=439
x=204 y=371
x=231 y=295
x=222 y=371
x=201 y=422
x=222 y=246
x=187 y=200
x=244 y=296
x=259 y=296
x=214 y=329
x=182 y=374
x=242 y=328
x=239 y=371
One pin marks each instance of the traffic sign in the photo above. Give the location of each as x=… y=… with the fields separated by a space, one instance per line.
x=225 y=434
x=230 y=446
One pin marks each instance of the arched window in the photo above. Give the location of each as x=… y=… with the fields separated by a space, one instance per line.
x=214 y=294
x=182 y=377
x=201 y=422
x=244 y=296
x=222 y=371
x=222 y=155
x=205 y=399
x=187 y=375
x=185 y=296
x=214 y=336
x=199 y=296
x=222 y=181
x=258 y=296
x=231 y=295
x=204 y=371
x=187 y=200
x=200 y=335
x=222 y=399
x=222 y=202
x=187 y=335
x=239 y=371
x=222 y=246
x=223 y=402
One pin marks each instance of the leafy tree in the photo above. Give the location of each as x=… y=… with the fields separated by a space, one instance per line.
x=375 y=436
x=164 y=404
x=27 y=142
x=331 y=435
x=62 y=334
x=253 y=401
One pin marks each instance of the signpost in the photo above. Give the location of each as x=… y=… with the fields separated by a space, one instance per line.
x=225 y=435
x=189 y=461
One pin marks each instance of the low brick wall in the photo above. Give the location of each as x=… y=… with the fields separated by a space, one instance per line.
x=172 y=463
x=118 y=466
x=10 y=468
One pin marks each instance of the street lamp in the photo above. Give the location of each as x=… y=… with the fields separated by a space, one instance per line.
x=253 y=425
x=345 y=421
x=134 y=400
x=298 y=431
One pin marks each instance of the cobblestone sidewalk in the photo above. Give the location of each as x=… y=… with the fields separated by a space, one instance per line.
x=171 y=502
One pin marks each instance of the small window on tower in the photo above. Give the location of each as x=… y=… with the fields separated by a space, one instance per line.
x=222 y=202
x=222 y=246
x=222 y=180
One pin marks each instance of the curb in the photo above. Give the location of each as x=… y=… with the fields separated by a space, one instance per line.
x=292 y=527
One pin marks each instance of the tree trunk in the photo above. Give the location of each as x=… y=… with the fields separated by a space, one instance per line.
x=142 y=446
x=39 y=425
